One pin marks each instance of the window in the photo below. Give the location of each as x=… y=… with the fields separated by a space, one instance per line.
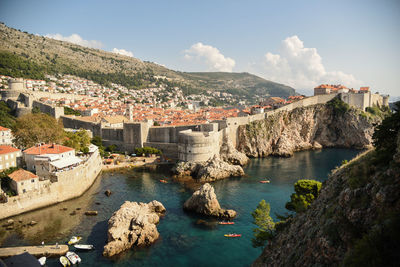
x=33 y=180
x=23 y=190
x=12 y=156
x=22 y=183
x=6 y=157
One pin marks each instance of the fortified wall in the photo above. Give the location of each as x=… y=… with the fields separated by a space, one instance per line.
x=21 y=100
x=70 y=184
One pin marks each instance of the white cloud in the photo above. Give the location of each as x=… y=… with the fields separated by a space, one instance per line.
x=211 y=56
x=76 y=39
x=301 y=67
x=122 y=52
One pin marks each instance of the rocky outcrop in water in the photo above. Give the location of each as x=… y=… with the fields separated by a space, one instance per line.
x=134 y=224
x=208 y=171
x=353 y=222
x=230 y=154
x=304 y=128
x=204 y=201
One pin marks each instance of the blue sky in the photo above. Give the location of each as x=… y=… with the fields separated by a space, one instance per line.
x=300 y=43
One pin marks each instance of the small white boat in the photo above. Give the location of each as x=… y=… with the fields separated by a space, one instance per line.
x=84 y=247
x=73 y=257
x=74 y=240
x=42 y=261
x=64 y=261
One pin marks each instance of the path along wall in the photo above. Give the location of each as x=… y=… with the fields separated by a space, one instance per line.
x=70 y=184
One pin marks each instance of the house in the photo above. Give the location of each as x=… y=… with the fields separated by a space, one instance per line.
x=5 y=136
x=46 y=149
x=9 y=157
x=23 y=181
x=114 y=121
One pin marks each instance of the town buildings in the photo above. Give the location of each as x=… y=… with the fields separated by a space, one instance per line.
x=23 y=181
x=49 y=151
x=9 y=157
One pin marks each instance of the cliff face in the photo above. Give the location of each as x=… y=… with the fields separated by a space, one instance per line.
x=306 y=128
x=353 y=222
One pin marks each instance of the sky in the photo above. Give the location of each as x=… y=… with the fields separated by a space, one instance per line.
x=298 y=43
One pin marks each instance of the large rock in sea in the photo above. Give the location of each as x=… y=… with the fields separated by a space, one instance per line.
x=204 y=201
x=134 y=224
x=208 y=171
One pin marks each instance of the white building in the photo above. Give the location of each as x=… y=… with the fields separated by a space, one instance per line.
x=5 y=136
x=23 y=181
x=46 y=149
x=9 y=157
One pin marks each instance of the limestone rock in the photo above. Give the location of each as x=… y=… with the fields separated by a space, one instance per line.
x=230 y=154
x=204 y=201
x=133 y=224
x=208 y=171
x=311 y=127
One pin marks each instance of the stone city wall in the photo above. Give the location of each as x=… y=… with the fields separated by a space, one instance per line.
x=55 y=112
x=71 y=184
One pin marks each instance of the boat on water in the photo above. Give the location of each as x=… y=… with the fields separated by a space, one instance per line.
x=64 y=261
x=224 y=223
x=265 y=181
x=164 y=181
x=84 y=247
x=74 y=240
x=73 y=257
x=232 y=235
x=42 y=261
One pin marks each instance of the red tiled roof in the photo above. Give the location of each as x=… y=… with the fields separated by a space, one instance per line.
x=4 y=128
x=47 y=149
x=7 y=149
x=22 y=175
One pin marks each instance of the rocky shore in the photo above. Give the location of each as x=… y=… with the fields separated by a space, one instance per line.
x=207 y=171
x=134 y=224
x=305 y=128
x=204 y=201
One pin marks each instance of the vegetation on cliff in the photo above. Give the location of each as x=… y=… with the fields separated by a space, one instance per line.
x=306 y=191
x=7 y=118
x=266 y=226
x=354 y=220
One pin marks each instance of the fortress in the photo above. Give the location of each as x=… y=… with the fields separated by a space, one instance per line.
x=186 y=143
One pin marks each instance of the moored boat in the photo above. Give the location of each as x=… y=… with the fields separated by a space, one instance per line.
x=64 y=261
x=84 y=247
x=223 y=223
x=74 y=240
x=42 y=261
x=163 y=181
x=232 y=235
x=265 y=181
x=73 y=257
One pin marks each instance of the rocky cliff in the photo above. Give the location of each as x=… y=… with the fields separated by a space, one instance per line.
x=354 y=221
x=304 y=128
x=133 y=224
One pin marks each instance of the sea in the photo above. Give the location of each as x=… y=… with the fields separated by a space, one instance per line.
x=186 y=239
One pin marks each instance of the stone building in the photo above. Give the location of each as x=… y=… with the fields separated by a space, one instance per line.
x=5 y=136
x=23 y=181
x=9 y=157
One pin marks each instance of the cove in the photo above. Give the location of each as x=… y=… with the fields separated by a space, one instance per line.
x=185 y=241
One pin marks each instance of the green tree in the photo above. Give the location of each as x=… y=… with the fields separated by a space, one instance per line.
x=266 y=226
x=385 y=135
x=70 y=111
x=78 y=140
x=97 y=141
x=31 y=129
x=306 y=192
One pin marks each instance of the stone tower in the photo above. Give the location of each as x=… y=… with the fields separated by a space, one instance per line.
x=15 y=87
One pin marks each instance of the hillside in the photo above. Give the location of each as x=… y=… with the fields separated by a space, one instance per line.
x=354 y=221
x=32 y=56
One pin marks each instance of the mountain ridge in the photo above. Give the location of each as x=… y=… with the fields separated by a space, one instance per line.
x=52 y=56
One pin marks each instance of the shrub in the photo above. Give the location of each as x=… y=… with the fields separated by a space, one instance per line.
x=338 y=105
x=147 y=150
x=306 y=192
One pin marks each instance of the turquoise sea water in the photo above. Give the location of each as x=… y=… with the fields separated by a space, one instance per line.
x=184 y=240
